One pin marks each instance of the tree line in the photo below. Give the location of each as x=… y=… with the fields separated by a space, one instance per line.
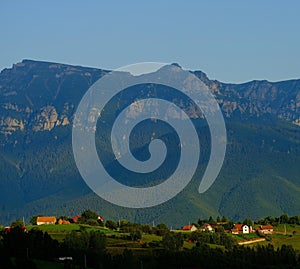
x=89 y=249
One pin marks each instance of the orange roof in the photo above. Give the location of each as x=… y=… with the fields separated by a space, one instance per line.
x=238 y=227
x=187 y=227
x=75 y=218
x=46 y=219
x=266 y=227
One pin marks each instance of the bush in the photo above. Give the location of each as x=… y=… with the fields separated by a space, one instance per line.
x=92 y=222
x=110 y=224
x=172 y=242
x=136 y=235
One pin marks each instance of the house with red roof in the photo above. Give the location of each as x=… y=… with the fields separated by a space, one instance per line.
x=265 y=229
x=191 y=228
x=241 y=228
x=76 y=218
x=45 y=220
x=206 y=227
x=100 y=218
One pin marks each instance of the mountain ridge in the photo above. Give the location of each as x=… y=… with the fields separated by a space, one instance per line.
x=38 y=174
x=251 y=98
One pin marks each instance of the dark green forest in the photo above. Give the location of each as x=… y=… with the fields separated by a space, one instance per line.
x=41 y=177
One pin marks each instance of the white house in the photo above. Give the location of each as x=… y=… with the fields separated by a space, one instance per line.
x=206 y=227
x=240 y=228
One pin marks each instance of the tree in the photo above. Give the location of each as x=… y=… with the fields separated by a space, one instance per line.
x=162 y=226
x=172 y=241
x=33 y=219
x=294 y=220
x=271 y=220
x=284 y=218
x=77 y=241
x=146 y=228
x=136 y=235
x=17 y=223
x=211 y=220
x=228 y=225
x=220 y=229
x=123 y=223
x=202 y=221
x=110 y=224
x=97 y=241
x=224 y=219
x=88 y=214
x=92 y=222
x=161 y=229
x=218 y=219
x=248 y=222
x=227 y=241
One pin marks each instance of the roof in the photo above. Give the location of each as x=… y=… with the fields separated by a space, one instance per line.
x=266 y=227
x=46 y=219
x=239 y=227
x=187 y=227
x=100 y=218
x=206 y=226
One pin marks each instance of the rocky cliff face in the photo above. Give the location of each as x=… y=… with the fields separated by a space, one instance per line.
x=259 y=98
x=48 y=118
x=39 y=96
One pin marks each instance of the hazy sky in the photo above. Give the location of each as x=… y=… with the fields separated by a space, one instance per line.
x=232 y=41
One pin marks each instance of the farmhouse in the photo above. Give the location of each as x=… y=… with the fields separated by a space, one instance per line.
x=191 y=228
x=265 y=229
x=241 y=228
x=45 y=220
x=206 y=227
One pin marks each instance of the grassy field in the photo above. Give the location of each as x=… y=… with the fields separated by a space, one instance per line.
x=245 y=237
x=287 y=228
x=59 y=232
x=116 y=242
x=284 y=234
x=70 y=227
x=277 y=240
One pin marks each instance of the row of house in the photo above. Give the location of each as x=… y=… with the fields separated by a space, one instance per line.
x=52 y=220
x=245 y=229
x=237 y=228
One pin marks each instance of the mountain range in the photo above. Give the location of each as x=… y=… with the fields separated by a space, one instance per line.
x=38 y=175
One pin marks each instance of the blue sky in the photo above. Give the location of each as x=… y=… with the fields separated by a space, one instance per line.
x=232 y=41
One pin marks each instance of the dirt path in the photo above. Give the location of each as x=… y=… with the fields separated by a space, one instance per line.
x=252 y=241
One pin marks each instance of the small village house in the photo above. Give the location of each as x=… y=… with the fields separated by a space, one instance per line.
x=241 y=228
x=206 y=227
x=45 y=220
x=265 y=229
x=191 y=228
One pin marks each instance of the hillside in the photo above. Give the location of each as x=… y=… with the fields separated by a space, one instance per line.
x=260 y=175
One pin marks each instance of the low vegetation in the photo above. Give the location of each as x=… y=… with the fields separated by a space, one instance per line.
x=130 y=245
